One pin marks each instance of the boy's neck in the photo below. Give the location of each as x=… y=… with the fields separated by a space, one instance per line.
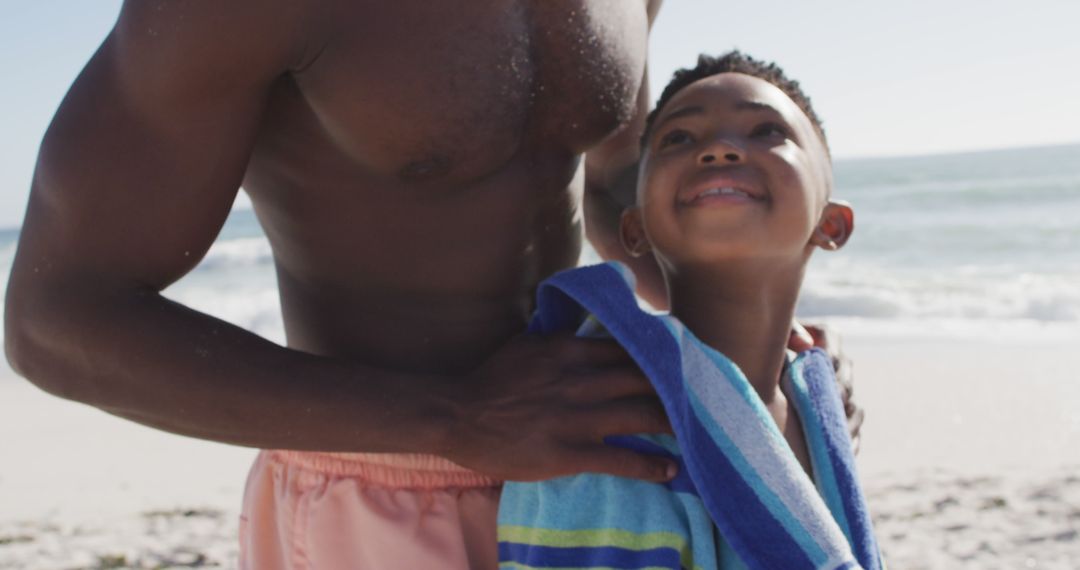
x=744 y=311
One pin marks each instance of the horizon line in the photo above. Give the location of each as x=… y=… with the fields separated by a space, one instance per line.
x=963 y=152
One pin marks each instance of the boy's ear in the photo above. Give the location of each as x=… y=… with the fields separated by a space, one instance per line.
x=835 y=226
x=632 y=232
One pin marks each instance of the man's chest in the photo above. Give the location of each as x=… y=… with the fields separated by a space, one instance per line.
x=454 y=89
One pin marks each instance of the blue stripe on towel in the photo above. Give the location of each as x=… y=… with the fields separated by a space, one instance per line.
x=588 y=557
x=823 y=464
x=826 y=404
x=768 y=515
x=741 y=415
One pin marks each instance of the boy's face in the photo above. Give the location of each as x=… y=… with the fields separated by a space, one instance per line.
x=733 y=168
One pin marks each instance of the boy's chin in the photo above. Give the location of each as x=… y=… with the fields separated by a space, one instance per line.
x=735 y=253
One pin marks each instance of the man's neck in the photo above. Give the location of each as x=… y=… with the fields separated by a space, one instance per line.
x=748 y=319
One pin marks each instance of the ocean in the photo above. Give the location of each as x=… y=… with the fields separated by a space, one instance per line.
x=963 y=244
x=974 y=244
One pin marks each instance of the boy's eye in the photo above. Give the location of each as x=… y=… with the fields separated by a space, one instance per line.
x=674 y=138
x=769 y=129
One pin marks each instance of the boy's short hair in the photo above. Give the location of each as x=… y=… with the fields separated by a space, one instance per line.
x=735 y=62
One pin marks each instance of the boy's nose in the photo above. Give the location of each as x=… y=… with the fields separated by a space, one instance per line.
x=721 y=151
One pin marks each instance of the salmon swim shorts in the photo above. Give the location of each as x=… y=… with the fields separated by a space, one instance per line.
x=361 y=511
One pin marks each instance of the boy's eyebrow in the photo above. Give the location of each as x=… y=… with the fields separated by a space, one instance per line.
x=744 y=105
x=683 y=112
x=755 y=106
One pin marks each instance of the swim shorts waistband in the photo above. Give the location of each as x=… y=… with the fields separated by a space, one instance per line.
x=389 y=470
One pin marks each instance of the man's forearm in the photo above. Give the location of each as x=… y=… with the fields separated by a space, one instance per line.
x=145 y=358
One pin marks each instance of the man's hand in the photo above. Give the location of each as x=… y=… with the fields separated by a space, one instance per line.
x=540 y=408
x=826 y=338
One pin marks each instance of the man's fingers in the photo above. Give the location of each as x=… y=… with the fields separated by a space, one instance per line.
x=629 y=416
x=845 y=373
x=825 y=337
x=577 y=351
x=625 y=463
x=800 y=338
x=855 y=421
x=613 y=382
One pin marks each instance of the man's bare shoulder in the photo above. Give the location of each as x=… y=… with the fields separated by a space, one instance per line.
x=177 y=38
x=164 y=116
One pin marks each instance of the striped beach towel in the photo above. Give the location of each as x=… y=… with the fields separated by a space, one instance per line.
x=741 y=499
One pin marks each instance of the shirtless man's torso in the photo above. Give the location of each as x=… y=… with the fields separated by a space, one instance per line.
x=418 y=168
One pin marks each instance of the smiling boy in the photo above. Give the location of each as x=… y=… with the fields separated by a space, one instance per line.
x=733 y=198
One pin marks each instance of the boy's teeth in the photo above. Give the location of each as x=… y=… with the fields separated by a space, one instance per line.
x=723 y=191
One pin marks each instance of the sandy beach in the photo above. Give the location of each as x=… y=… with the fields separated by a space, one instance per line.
x=80 y=489
x=971 y=452
x=970 y=459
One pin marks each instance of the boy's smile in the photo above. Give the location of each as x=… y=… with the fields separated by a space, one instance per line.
x=717 y=187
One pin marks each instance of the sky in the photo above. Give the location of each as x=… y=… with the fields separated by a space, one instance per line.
x=888 y=78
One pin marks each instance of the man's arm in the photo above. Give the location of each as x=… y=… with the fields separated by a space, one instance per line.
x=611 y=186
x=135 y=177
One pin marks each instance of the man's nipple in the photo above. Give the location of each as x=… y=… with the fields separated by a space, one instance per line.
x=426 y=169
